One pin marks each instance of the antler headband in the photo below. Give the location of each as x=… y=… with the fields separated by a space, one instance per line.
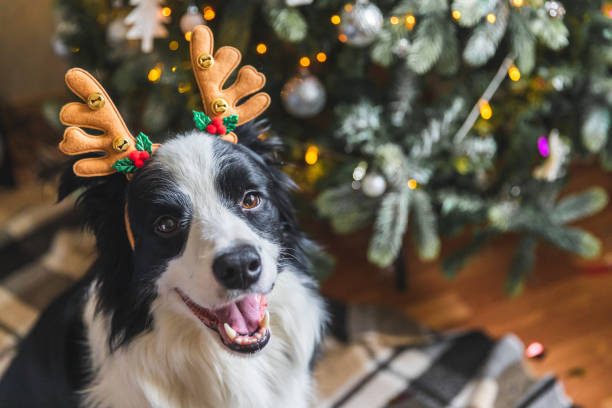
x=125 y=153
x=122 y=152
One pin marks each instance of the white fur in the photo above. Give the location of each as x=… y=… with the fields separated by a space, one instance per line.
x=181 y=362
x=214 y=227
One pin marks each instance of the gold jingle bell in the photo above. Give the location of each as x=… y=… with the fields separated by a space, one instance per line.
x=120 y=144
x=219 y=106
x=96 y=101
x=205 y=61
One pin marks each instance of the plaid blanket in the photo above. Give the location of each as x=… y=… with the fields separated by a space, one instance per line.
x=372 y=357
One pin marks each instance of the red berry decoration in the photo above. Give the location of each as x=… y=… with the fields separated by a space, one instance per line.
x=212 y=129
x=221 y=130
x=139 y=163
x=134 y=155
x=144 y=155
x=217 y=121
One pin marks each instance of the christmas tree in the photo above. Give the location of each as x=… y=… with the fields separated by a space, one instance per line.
x=416 y=117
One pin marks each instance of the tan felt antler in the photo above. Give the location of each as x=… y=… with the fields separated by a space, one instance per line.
x=98 y=112
x=211 y=73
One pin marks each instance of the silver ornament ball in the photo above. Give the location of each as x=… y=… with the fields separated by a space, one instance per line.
x=373 y=185
x=191 y=19
x=303 y=96
x=59 y=47
x=401 y=48
x=360 y=23
x=554 y=9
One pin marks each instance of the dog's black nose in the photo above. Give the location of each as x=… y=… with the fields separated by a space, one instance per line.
x=238 y=268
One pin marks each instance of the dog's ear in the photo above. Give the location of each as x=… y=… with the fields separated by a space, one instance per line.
x=254 y=136
x=100 y=203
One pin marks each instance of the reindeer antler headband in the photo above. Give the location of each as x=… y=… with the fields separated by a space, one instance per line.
x=125 y=153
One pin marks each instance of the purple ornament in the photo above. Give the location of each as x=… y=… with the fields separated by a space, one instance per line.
x=543 y=146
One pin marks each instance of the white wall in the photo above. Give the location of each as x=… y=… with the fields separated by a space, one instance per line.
x=29 y=69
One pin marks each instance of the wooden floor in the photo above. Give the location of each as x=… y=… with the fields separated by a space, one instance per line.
x=567 y=305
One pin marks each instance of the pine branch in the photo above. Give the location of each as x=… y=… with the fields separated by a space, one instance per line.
x=595 y=128
x=580 y=205
x=551 y=31
x=389 y=228
x=424 y=226
x=523 y=42
x=472 y=11
x=427 y=45
x=521 y=266
x=483 y=43
x=347 y=209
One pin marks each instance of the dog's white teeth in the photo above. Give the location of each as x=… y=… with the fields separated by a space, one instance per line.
x=231 y=333
x=239 y=340
x=265 y=322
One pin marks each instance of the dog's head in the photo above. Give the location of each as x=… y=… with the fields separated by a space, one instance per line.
x=212 y=226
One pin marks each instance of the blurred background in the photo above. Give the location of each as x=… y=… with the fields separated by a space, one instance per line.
x=453 y=156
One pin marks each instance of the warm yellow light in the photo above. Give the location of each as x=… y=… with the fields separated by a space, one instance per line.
x=305 y=61
x=394 y=20
x=261 y=48
x=342 y=38
x=75 y=49
x=209 y=13
x=173 y=69
x=517 y=3
x=154 y=74
x=348 y=7
x=491 y=18
x=410 y=22
x=312 y=155
x=173 y=45
x=166 y=11
x=335 y=19
x=485 y=110
x=456 y=14
x=514 y=73
x=184 y=87
x=412 y=184
x=321 y=57
x=188 y=35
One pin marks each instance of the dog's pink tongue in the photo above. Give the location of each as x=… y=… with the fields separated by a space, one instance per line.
x=243 y=316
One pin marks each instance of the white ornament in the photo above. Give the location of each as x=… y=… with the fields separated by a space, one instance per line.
x=401 y=48
x=146 y=23
x=554 y=9
x=116 y=31
x=360 y=23
x=59 y=47
x=303 y=96
x=373 y=185
x=552 y=168
x=191 y=19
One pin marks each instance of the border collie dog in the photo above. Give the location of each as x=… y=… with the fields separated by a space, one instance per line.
x=214 y=306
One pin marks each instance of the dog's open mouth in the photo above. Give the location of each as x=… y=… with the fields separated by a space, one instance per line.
x=244 y=326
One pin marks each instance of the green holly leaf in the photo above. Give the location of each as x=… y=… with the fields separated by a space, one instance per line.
x=230 y=122
x=143 y=143
x=201 y=120
x=125 y=166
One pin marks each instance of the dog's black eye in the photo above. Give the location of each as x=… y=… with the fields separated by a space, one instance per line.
x=251 y=200
x=166 y=224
